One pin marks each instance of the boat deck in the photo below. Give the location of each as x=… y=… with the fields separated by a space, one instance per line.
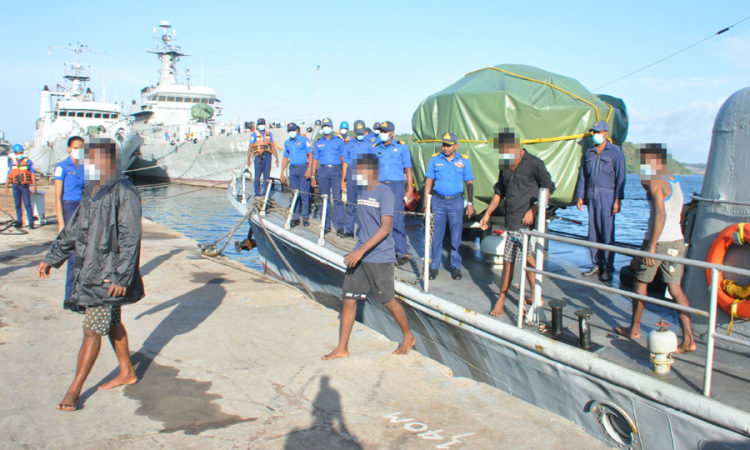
x=479 y=288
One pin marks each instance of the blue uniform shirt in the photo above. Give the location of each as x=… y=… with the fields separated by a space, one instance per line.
x=605 y=170
x=449 y=176
x=373 y=138
x=297 y=150
x=329 y=151
x=393 y=159
x=72 y=178
x=353 y=149
x=254 y=136
x=371 y=207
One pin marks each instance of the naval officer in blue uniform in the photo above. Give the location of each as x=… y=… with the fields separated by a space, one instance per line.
x=601 y=185
x=328 y=155
x=446 y=174
x=353 y=150
x=395 y=170
x=298 y=157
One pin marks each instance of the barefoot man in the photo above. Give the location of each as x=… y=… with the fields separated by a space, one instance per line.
x=521 y=176
x=663 y=236
x=105 y=235
x=371 y=263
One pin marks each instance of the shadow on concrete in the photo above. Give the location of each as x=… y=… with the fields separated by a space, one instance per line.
x=328 y=429
x=180 y=404
x=156 y=262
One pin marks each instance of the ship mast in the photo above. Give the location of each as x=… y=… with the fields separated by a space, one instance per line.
x=168 y=53
x=77 y=73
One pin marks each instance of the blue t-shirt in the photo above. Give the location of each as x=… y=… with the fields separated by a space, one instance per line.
x=393 y=158
x=449 y=176
x=72 y=178
x=371 y=207
x=297 y=149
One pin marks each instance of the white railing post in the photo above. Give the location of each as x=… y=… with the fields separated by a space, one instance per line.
x=288 y=224
x=244 y=195
x=427 y=242
x=711 y=330
x=322 y=239
x=522 y=286
x=536 y=311
x=268 y=194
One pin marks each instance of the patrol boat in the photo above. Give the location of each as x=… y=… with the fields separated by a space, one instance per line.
x=72 y=110
x=624 y=393
x=179 y=136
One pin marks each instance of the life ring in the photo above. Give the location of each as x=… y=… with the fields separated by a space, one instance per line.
x=716 y=253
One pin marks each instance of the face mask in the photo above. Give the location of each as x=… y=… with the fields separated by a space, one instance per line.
x=343 y=132
x=91 y=172
x=384 y=137
x=261 y=128
x=647 y=170
x=361 y=180
x=292 y=134
x=76 y=153
x=377 y=132
x=598 y=138
x=360 y=137
x=327 y=130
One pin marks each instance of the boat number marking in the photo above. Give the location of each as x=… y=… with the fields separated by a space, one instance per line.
x=239 y=146
x=424 y=432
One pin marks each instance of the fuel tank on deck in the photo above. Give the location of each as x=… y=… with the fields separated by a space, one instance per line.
x=727 y=178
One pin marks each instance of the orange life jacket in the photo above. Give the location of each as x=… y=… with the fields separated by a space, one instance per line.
x=262 y=143
x=20 y=172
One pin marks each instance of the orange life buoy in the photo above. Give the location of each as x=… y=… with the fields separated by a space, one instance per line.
x=716 y=254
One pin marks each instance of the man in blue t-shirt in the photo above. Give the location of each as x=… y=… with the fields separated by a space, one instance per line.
x=371 y=263
x=69 y=185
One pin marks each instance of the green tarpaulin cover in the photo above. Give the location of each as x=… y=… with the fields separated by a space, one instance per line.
x=202 y=111
x=550 y=113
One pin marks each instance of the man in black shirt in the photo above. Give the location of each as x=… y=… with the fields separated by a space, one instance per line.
x=521 y=176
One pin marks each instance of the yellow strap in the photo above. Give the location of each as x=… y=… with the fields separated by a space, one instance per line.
x=740 y=231
x=596 y=110
x=524 y=141
x=734 y=315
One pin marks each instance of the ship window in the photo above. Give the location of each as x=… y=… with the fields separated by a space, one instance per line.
x=211 y=101
x=61 y=114
x=98 y=116
x=162 y=98
x=170 y=99
x=114 y=116
x=178 y=99
x=80 y=114
x=105 y=116
x=88 y=115
x=204 y=100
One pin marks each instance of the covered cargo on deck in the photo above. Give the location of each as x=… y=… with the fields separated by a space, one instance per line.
x=550 y=113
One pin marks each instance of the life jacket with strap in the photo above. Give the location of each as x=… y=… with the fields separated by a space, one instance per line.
x=20 y=173
x=346 y=138
x=262 y=143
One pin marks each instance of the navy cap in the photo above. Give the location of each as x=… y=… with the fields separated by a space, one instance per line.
x=359 y=128
x=327 y=122
x=292 y=126
x=261 y=121
x=600 y=126
x=385 y=126
x=450 y=139
x=375 y=125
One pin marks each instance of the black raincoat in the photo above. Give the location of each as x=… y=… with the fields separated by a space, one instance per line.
x=105 y=234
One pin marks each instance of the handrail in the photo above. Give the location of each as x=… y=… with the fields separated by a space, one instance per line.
x=641 y=253
x=718 y=200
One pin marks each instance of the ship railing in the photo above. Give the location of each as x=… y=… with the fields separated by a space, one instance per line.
x=238 y=189
x=536 y=315
x=719 y=201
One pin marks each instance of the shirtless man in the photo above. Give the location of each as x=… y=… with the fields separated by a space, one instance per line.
x=663 y=236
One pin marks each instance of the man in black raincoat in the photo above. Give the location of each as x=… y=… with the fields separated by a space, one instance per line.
x=105 y=235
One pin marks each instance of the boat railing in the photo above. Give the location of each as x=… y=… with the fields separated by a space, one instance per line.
x=535 y=315
x=719 y=201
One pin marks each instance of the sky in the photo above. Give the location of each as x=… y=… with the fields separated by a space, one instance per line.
x=378 y=61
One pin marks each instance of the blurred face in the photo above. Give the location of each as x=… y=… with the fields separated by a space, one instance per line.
x=449 y=149
x=98 y=166
x=366 y=177
x=653 y=167
x=510 y=153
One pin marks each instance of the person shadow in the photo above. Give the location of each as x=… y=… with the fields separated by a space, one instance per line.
x=328 y=429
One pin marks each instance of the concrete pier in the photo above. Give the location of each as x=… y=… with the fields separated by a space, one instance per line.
x=228 y=358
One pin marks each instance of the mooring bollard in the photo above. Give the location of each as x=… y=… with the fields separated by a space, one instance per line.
x=584 y=328
x=557 y=315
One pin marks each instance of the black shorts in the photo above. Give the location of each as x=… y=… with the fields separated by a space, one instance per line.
x=370 y=279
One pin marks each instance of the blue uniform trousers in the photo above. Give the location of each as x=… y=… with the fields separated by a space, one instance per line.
x=399 y=230
x=329 y=180
x=262 y=167
x=602 y=227
x=450 y=212
x=22 y=192
x=69 y=207
x=351 y=199
x=297 y=181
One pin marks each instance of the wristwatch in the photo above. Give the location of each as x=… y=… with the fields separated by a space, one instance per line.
x=469 y=204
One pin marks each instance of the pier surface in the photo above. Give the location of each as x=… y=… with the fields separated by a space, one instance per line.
x=228 y=358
